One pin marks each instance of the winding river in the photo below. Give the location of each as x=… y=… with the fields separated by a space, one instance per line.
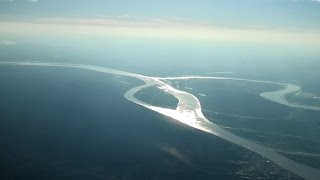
x=189 y=112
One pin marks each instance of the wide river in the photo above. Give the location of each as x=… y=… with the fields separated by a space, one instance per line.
x=189 y=112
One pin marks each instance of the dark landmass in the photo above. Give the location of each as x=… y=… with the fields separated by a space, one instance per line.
x=303 y=98
x=154 y=96
x=75 y=124
x=237 y=107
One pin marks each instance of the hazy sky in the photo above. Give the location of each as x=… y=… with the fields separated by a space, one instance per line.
x=285 y=21
x=270 y=13
x=168 y=30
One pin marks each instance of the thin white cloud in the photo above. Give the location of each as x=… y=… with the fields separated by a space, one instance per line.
x=13 y=0
x=180 y=28
x=126 y=21
x=143 y=20
x=174 y=152
x=306 y=1
x=163 y=23
x=7 y=43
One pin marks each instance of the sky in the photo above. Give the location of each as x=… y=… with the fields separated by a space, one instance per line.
x=169 y=30
x=299 y=14
x=262 y=14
